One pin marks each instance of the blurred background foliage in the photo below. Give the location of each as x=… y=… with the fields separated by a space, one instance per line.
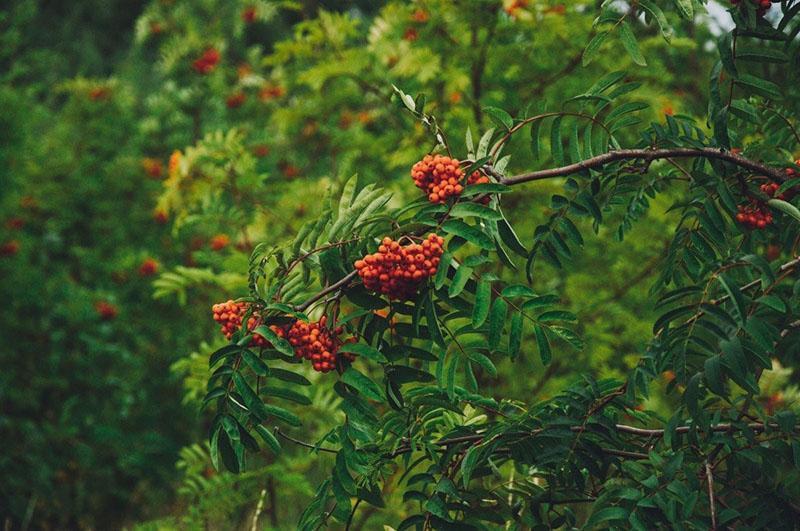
x=138 y=172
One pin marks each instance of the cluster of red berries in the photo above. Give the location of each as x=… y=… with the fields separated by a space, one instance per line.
x=206 y=62
x=772 y=188
x=261 y=150
x=106 y=310
x=317 y=343
x=235 y=100
x=762 y=6
x=149 y=267
x=397 y=271
x=441 y=177
x=270 y=92
x=99 y=93
x=9 y=248
x=153 y=167
x=249 y=14
x=219 y=242
x=754 y=215
x=230 y=315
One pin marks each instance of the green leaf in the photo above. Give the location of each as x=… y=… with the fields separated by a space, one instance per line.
x=658 y=15
x=786 y=208
x=515 y=334
x=288 y=394
x=288 y=376
x=483 y=144
x=468 y=464
x=736 y=296
x=365 y=351
x=685 y=8
x=543 y=343
x=255 y=363
x=759 y=86
x=556 y=148
x=279 y=343
x=713 y=373
x=460 y=280
x=251 y=400
x=482 y=360
x=469 y=233
x=510 y=238
x=469 y=210
x=499 y=116
x=363 y=384
x=497 y=318
x=629 y=42
x=606 y=514
x=483 y=298
x=268 y=438
x=285 y=415
x=557 y=315
x=593 y=47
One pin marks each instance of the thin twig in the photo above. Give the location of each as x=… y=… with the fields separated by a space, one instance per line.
x=303 y=443
x=711 y=503
x=330 y=289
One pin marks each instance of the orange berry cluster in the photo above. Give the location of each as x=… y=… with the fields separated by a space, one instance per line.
x=754 y=215
x=317 y=343
x=236 y=100
x=9 y=248
x=153 y=167
x=106 y=310
x=441 y=177
x=397 y=271
x=762 y=6
x=206 y=63
x=249 y=14
x=219 y=242
x=230 y=314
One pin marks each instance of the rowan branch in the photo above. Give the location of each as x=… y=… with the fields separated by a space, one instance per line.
x=330 y=289
x=647 y=155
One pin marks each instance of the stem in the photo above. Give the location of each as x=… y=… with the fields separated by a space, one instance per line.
x=712 y=505
x=303 y=443
x=648 y=155
x=330 y=289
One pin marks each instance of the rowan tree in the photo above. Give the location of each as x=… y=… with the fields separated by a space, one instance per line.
x=412 y=288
